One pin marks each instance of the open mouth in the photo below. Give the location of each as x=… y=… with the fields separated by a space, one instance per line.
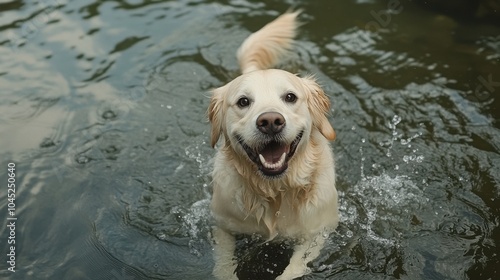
x=272 y=157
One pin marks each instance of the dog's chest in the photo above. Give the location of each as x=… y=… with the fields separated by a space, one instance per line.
x=277 y=216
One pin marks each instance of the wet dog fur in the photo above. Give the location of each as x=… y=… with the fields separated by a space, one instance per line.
x=274 y=171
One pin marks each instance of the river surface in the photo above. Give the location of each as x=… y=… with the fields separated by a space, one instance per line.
x=102 y=111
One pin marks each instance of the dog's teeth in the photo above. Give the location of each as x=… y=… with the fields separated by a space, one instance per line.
x=282 y=159
x=272 y=165
x=262 y=160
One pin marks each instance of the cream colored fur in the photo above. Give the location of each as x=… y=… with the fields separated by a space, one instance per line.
x=301 y=203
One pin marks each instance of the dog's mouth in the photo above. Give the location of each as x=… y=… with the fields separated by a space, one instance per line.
x=272 y=157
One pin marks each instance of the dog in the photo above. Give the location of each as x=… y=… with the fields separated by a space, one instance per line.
x=274 y=170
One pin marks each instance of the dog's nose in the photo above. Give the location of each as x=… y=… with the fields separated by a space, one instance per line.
x=270 y=123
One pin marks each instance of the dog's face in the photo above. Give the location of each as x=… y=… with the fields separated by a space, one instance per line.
x=268 y=115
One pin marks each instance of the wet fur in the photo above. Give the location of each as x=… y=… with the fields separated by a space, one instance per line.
x=301 y=203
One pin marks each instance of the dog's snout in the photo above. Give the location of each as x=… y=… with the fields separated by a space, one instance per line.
x=270 y=123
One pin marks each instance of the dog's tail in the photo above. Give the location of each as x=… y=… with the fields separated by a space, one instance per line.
x=264 y=48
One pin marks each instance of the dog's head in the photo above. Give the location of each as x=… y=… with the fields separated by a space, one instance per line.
x=268 y=115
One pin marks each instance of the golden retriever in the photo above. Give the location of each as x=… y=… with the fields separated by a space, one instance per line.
x=274 y=172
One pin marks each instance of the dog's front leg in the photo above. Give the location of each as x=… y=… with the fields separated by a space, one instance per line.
x=302 y=255
x=224 y=246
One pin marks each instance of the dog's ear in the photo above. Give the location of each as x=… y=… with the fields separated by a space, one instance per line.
x=319 y=106
x=214 y=113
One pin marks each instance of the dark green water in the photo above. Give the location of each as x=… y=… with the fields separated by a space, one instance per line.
x=102 y=110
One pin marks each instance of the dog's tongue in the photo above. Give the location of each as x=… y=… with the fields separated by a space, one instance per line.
x=273 y=152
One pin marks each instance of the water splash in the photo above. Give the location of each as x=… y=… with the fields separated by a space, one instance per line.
x=377 y=205
x=196 y=153
x=395 y=136
x=195 y=225
x=408 y=140
x=195 y=221
x=393 y=126
x=415 y=158
x=362 y=164
x=383 y=199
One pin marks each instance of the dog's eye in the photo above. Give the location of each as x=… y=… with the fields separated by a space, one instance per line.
x=243 y=102
x=290 y=97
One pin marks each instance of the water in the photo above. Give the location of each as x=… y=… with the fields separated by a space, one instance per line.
x=103 y=113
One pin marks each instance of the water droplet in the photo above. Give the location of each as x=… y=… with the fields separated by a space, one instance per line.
x=363 y=140
x=396 y=120
x=353 y=128
x=169 y=107
x=161 y=236
x=109 y=115
x=396 y=167
x=82 y=159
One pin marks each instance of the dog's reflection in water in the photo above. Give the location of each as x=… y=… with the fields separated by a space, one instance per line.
x=259 y=259
x=249 y=257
